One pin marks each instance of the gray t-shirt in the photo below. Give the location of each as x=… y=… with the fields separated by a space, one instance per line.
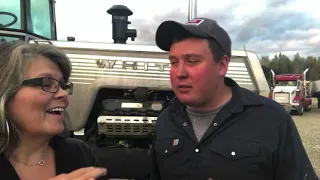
x=202 y=120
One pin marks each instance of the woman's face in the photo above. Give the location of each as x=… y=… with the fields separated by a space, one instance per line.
x=31 y=107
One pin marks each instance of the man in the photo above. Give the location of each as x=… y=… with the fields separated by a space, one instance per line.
x=215 y=129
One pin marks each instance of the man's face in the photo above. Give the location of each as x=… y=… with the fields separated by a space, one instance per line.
x=194 y=73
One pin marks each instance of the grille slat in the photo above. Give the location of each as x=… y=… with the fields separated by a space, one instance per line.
x=282 y=98
x=126 y=126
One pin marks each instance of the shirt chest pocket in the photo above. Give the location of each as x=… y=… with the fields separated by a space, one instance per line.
x=236 y=150
x=240 y=157
x=169 y=150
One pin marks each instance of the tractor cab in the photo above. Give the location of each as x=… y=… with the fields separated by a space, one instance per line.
x=27 y=20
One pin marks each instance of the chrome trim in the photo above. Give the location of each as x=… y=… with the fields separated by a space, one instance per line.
x=126 y=125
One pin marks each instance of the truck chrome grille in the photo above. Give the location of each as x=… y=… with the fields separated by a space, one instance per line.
x=282 y=97
x=126 y=125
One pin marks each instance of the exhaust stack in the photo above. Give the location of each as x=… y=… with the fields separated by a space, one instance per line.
x=192 y=13
x=120 y=31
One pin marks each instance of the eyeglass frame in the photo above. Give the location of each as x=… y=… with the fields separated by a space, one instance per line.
x=40 y=82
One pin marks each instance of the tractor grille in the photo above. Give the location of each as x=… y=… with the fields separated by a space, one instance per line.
x=282 y=98
x=126 y=125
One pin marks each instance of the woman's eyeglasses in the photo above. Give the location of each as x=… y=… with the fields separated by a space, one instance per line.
x=49 y=84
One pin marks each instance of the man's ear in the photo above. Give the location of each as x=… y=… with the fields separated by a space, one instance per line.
x=223 y=66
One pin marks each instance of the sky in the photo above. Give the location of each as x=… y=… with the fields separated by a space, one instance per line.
x=264 y=26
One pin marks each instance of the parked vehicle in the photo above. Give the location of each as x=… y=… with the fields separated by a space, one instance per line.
x=292 y=91
x=315 y=90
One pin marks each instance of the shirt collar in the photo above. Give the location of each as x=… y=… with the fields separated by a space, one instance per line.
x=241 y=97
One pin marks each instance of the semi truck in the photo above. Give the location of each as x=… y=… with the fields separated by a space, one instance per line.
x=120 y=89
x=292 y=91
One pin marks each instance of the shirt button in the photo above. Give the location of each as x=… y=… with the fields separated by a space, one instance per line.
x=196 y=150
x=185 y=124
x=215 y=124
x=165 y=151
x=233 y=153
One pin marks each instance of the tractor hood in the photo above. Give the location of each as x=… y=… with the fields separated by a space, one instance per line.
x=285 y=88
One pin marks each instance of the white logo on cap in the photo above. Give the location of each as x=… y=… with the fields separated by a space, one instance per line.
x=195 y=22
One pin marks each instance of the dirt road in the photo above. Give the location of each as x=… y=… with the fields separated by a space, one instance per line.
x=309 y=129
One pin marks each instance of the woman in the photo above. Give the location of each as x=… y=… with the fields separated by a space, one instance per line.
x=34 y=91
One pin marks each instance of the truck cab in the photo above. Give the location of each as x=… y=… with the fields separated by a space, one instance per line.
x=119 y=88
x=292 y=91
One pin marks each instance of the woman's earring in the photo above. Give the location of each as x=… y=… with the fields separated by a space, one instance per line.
x=8 y=130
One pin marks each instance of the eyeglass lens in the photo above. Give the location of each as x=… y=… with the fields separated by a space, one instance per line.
x=52 y=85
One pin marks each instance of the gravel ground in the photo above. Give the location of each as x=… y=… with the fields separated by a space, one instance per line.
x=309 y=129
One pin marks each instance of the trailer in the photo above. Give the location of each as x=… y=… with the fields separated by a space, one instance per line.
x=315 y=91
x=315 y=86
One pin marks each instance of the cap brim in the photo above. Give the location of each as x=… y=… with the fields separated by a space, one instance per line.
x=169 y=30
